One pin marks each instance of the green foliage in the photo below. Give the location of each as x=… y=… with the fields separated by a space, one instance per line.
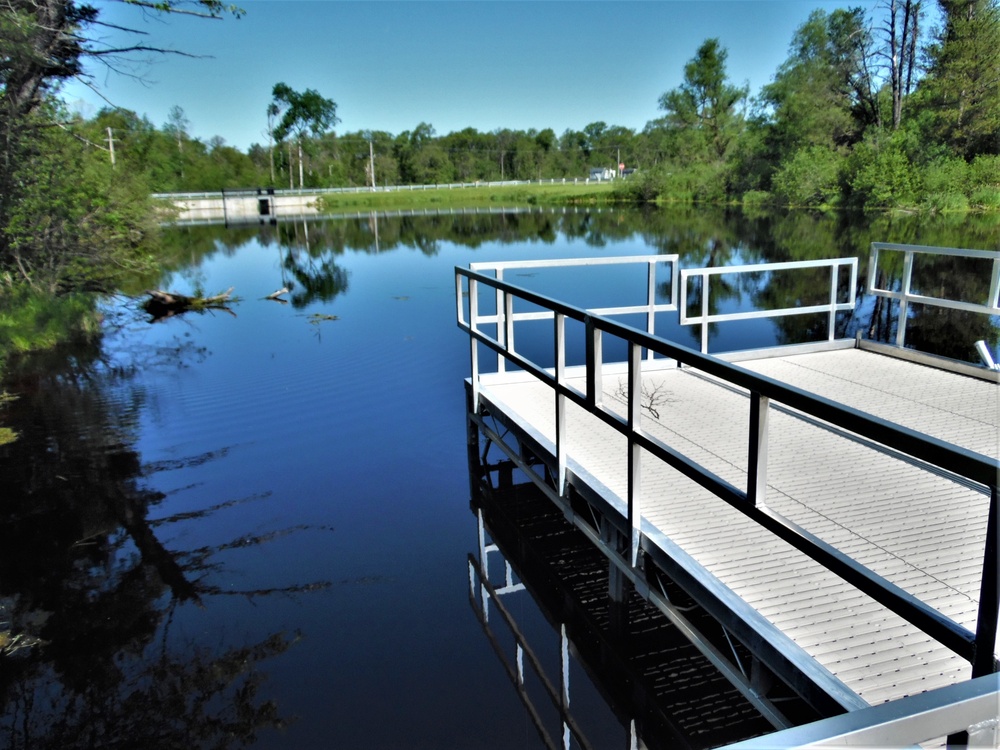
x=820 y=95
x=962 y=89
x=756 y=202
x=642 y=187
x=68 y=220
x=984 y=172
x=30 y=321
x=881 y=176
x=704 y=109
x=302 y=112
x=811 y=178
x=984 y=182
x=944 y=185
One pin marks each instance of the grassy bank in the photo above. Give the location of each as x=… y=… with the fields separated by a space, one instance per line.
x=548 y=194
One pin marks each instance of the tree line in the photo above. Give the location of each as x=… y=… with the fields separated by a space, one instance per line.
x=869 y=110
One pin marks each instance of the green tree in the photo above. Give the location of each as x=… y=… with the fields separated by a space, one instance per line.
x=705 y=108
x=177 y=127
x=811 y=177
x=62 y=217
x=822 y=94
x=302 y=113
x=962 y=87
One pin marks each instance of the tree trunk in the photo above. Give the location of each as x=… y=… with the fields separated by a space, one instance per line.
x=301 y=181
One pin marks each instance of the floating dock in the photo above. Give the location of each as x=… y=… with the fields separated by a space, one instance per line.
x=834 y=505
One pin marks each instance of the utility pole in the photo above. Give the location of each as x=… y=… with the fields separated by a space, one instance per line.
x=371 y=163
x=111 y=148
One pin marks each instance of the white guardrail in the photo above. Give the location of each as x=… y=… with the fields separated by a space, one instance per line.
x=506 y=317
x=211 y=194
x=905 y=296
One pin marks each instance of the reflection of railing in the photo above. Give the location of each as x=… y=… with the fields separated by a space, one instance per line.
x=479 y=577
x=976 y=647
x=831 y=308
x=904 y=296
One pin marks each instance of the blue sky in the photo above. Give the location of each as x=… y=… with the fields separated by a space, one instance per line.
x=391 y=65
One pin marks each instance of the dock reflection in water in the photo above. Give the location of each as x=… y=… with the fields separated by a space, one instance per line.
x=658 y=686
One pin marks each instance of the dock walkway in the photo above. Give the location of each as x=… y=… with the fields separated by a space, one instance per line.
x=918 y=527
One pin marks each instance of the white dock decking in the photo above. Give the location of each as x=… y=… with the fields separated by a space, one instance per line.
x=921 y=529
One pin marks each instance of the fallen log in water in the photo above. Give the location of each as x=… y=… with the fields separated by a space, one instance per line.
x=164 y=304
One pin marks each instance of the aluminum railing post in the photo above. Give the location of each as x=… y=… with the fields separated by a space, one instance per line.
x=989 y=597
x=509 y=321
x=704 y=313
x=994 y=299
x=904 y=299
x=634 y=450
x=651 y=302
x=595 y=358
x=501 y=323
x=560 y=341
x=757 y=454
x=834 y=278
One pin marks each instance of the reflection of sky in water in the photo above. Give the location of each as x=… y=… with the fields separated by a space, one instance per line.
x=349 y=433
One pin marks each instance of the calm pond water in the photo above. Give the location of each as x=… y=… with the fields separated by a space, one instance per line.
x=252 y=527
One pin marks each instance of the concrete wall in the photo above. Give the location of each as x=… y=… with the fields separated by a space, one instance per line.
x=243 y=209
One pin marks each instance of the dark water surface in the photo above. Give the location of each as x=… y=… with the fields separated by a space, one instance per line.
x=219 y=523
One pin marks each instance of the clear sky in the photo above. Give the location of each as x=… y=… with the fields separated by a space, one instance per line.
x=474 y=63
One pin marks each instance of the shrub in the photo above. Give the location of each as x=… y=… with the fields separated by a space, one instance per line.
x=985 y=198
x=880 y=175
x=810 y=178
x=756 y=200
x=944 y=183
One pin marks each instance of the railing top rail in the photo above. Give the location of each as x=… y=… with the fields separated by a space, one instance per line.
x=603 y=260
x=969 y=464
x=927 y=249
x=781 y=266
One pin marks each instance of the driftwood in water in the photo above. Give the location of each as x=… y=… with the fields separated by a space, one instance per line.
x=276 y=296
x=165 y=304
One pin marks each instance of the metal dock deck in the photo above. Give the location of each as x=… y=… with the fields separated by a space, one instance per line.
x=922 y=531
x=834 y=506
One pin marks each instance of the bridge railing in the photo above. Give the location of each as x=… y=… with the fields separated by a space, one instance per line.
x=976 y=647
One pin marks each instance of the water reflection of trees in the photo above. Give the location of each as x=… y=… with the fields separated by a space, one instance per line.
x=88 y=587
x=701 y=236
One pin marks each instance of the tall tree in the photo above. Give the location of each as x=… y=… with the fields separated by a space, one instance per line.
x=706 y=105
x=901 y=32
x=823 y=93
x=302 y=113
x=963 y=82
x=177 y=126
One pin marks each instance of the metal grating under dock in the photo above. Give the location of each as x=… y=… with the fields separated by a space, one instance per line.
x=917 y=526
